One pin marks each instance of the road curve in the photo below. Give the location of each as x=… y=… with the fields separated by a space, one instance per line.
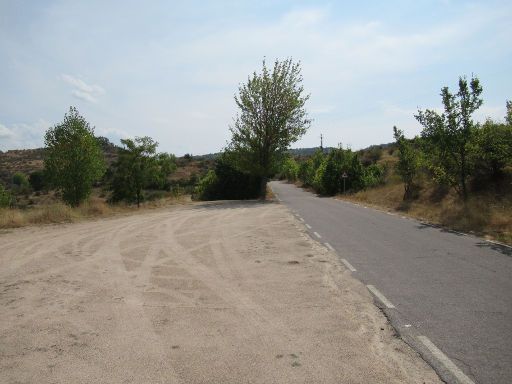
x=449 y=295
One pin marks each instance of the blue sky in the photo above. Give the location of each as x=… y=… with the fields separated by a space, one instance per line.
x=170 y=70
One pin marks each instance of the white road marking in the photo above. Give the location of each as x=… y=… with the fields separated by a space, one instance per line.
x=498 y=243
x=329 y=246
x=309 y=226
x=445 y=360
x=348 y=265
x=317 y=235
x=380 y=296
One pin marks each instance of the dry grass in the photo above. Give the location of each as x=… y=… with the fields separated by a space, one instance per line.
x=61 y=213
x=483 y=214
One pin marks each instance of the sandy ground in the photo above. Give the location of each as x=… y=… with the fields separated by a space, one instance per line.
x=210 y=293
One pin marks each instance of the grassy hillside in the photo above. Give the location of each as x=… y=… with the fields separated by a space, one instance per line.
x=488 y=211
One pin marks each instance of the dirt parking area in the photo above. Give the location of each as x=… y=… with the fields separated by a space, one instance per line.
x=231 y=292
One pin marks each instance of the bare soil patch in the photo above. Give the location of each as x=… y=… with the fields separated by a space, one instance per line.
x=209 y=293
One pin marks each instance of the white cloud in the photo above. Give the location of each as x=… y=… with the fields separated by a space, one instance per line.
x=5 y=132
x=23 y=135
x=83 y=90
x=494 y=112
x=115 y=134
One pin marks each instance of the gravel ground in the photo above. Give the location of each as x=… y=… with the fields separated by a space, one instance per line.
x=231 y=292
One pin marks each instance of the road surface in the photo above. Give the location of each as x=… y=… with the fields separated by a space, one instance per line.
x=448 y=295
x=231 y=292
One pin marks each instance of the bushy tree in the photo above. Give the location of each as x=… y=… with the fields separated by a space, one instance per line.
x=5 y=197
x=372 y=176
x=290 y=169
x=37 y=180
x=271 y=117
x=73 y=158
x=493 y=144
x=165 y=165
x=329 y=175
x=136 y=168
x=227 y=181
x=408 y=161
x=508 y=117
x=20 y=183
x=20 y=179
x=448 y=136
x=309 y=167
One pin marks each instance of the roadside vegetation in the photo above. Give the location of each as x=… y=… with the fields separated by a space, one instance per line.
x=457 y=173
x=78 y=175
x=271 y=116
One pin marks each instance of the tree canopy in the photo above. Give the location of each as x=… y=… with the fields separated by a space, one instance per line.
x=448 y=135
x=73 y=158
x=408 y=161
x=139 y=167
x=271 y=117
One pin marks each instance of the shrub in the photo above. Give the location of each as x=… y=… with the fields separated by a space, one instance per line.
x=227 y=183
x=290 y=169
x=37 y=180
x=5 y=197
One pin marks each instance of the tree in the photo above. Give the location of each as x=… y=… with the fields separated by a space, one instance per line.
x=493 y=145
x=37 y=180
x=290 y=169
x=73 y=158
x=508 y=117
x=407 y=165
x=227 y=181
x=329 y=176
x=271 y=117
x=5 y=197
x=448 y=136
x=139 y=167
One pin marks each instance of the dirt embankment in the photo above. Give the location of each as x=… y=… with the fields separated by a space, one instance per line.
x=210 y=293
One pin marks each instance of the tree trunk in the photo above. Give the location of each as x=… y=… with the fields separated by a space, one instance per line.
x=463 y=178
x=407 y=192
x=263 y=188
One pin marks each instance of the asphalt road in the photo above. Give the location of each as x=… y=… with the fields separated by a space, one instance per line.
x=448 y=295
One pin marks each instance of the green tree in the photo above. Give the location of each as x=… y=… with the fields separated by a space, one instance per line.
x=21 y=186
x=139 y=167
x=73 y=159
x=408 y=161
x=227 y=181
x=290 y=169
x=135 y=169
x=5 y=197
x=37 y=180
x=164 y=165
x=508 y=117
x=329 y=177
x=271 y=117
x=493 y=142
x=448 y=136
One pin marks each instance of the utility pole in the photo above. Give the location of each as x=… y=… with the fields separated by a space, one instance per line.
x=322 y=143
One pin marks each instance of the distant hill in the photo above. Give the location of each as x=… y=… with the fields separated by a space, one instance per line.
x=20 y=160
x=29 y=160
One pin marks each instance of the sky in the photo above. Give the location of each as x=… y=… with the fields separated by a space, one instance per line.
x=170 y=69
